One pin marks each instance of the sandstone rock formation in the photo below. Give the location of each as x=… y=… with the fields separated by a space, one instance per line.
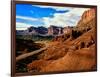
x=88 y=16
x=67 y=29
x=33 y=31
x=54 y=30
x=75 y=51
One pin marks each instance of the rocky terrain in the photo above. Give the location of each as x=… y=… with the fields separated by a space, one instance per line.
x=32 y=30
x=74 y=51
x=25 y=46
x=52 y=30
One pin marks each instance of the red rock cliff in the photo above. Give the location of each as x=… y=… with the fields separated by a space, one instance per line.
x=87 y=16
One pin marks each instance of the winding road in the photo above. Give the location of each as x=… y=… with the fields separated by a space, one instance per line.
x=20 y=57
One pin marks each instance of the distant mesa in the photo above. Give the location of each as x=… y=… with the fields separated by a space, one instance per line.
x=52 y=30
x=88 y=16
x=67 y=29
x=32 y=31
x=37 y=30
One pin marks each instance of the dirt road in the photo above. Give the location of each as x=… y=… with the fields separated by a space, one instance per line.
x=20 y=57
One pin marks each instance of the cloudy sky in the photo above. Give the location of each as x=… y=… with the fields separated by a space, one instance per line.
x=35 y=15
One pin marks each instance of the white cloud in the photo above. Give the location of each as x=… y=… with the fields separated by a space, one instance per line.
x=60 y=19
x=25 y=25
x=79 y=11
x=26 y=18
x=65 y=19
x=22 y=26
x=57 y=8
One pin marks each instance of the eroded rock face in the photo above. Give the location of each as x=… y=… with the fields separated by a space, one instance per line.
x=67 y=30
x=87 y=16
x=37 y=65
x=33 y=31
x=71 y=54
x=54 y=30
x=73 y=61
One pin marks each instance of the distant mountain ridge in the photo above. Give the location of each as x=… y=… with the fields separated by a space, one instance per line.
x=32 y=30
x=52 y=30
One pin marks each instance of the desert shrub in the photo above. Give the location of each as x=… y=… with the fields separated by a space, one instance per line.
x=24 y=46
x=75 y=34
x=82 y=45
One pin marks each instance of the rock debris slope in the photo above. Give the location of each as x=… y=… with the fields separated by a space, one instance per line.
x=75 y=51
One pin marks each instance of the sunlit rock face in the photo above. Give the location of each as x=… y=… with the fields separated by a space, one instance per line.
x=67 y=29
x=54 y=30
x=88 y=16
x=73 y=51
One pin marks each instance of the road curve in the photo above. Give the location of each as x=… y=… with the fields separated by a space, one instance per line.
x=20 y=57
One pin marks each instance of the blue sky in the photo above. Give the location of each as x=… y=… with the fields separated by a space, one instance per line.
x=35 y=15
